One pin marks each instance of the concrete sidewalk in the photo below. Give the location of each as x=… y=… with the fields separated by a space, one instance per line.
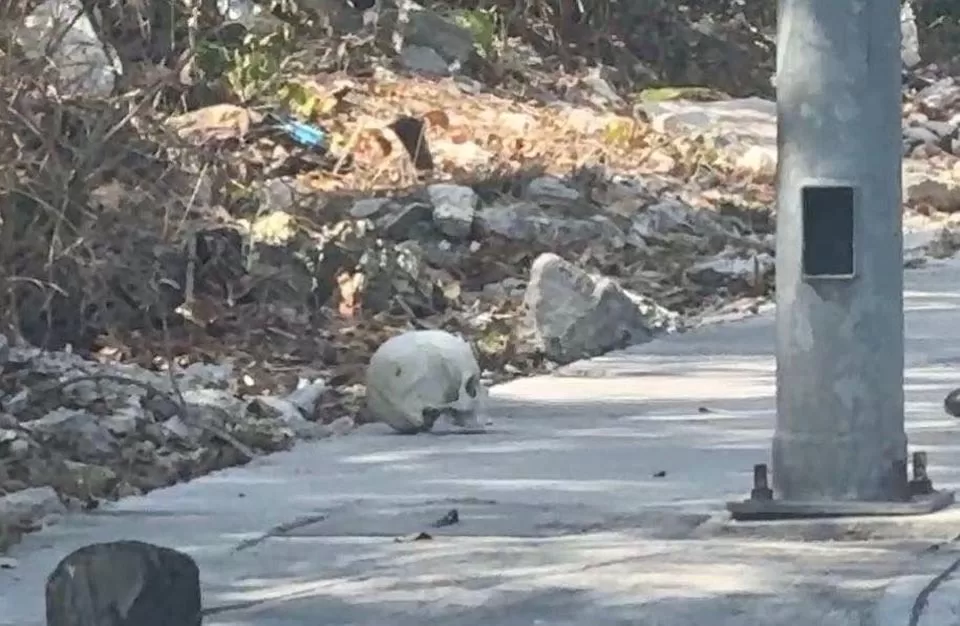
x=596 y=500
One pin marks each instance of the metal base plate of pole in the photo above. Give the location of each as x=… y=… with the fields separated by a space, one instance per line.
x=761 y=510
x=921 y=499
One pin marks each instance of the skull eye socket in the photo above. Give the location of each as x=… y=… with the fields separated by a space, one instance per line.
x=471 y=386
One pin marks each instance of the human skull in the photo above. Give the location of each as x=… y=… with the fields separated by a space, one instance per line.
x=421 y=375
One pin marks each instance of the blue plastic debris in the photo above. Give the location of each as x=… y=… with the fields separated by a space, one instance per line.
x=307 y=135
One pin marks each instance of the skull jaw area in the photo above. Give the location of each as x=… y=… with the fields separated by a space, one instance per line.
x=410 y=420
x=430 y=416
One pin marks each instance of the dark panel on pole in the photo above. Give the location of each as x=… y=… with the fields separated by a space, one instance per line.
x=828 y=219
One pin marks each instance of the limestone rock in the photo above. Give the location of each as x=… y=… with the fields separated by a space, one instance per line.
x=525 y=221
x=576 y=315
x=26 y=508
x=424 y=60
x=124 y=583
x=549 y=189
x=909 y=37
x=85 y=481
x=920 y=134
x=420 y=26
x=307 y=394
x=941 y=95
x=736 y=271
x=454 y=207
x=758 y=160
x=77 y=430
x=342 y=425
x=429 y=29
x=275 y=408
x=60 y=31
x=673 y=216
x=924 y=185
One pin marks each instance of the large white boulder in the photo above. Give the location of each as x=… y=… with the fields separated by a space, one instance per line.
x=417 y=377
x=576 y=315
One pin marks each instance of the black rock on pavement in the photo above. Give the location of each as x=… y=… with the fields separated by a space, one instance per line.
x=124 y=583
x=951 y=403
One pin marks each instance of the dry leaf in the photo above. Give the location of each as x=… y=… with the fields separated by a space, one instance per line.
x=350 y=289
x=437 y=118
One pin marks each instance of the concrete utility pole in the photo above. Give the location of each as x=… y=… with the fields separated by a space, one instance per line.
x=839 y=446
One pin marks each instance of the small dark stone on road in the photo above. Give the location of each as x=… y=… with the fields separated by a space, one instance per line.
x=124 y=583
x=952 y=403
x=660 y=474
x=452 y=517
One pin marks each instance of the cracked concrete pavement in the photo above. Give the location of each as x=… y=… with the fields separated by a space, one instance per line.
x=597 y=499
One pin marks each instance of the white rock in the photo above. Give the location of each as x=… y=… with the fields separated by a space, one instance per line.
x=671 y=215
x=940 y=95
x=419 y=376
x=126 y=419
x=84 y=65
x=926 y=185
x=30 y=505
x=909 y=37
x=577 y=315
x=81 y=430
x=731 y=266
x=454 y=207
x=941 y=129
x=18 y=449
x=177 y=428
x=342 y=425
x=276 y=408
x=238 y=10
x=919 y=134
x=759 y=160
x=306 y=395
x=213 y=406
x=289 y=414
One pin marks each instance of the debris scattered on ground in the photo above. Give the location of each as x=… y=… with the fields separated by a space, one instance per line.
x=234 y=246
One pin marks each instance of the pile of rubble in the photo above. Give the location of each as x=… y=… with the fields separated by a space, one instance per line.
x=74 y=431
x=77 y=429
x=931 y=141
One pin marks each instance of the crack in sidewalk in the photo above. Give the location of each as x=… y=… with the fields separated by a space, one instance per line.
x=279 y=529
x=916 y=611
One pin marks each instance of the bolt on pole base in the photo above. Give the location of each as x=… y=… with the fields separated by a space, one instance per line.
x=761 y=506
